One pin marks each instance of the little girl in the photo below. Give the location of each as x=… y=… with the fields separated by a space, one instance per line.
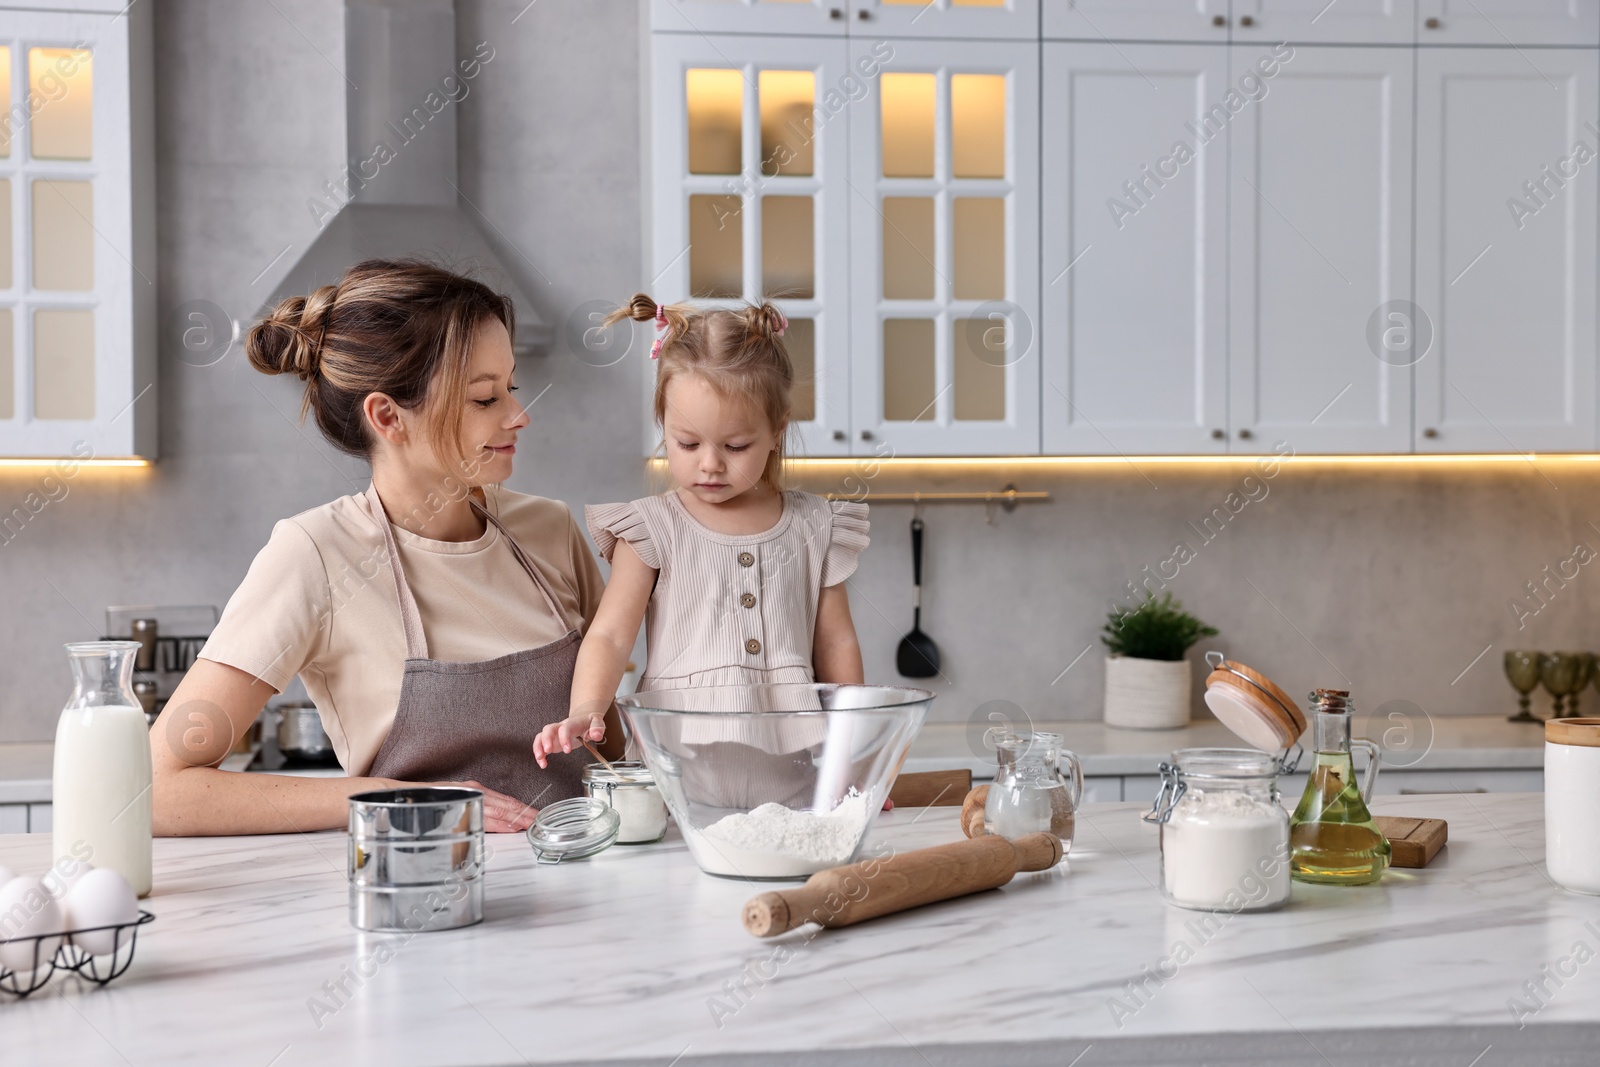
x=740 y=581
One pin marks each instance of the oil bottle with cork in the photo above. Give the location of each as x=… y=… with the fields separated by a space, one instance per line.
x=1332 y=836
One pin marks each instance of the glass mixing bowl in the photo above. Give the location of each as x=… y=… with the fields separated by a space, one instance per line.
x=775 y=781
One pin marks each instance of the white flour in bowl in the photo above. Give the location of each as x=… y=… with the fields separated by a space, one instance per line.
x=773 y=841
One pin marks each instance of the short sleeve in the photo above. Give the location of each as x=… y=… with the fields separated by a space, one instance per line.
x=610 y=523
x=846 y=540
x=273 y=626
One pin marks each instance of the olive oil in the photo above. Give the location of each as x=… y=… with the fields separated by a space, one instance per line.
x=1333 y=838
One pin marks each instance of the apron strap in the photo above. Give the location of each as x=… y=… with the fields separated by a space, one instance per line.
x=524 y=559
x=410 y=617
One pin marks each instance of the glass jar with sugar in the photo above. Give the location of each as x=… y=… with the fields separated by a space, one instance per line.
x=1224 y=834
x=630 y=788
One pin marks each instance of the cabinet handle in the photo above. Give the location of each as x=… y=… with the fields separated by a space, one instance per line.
x=835 y=13
x=866 y=435
x=864 y=15
x=1432 y=24
x=1246 y=20
x=1217 y=435
x=839 y=435
x=1245 y=435
x=1219 y=20
x=1430 y=432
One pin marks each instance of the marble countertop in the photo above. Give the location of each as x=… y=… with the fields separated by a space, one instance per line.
x=636 y=957
x=1414 y=740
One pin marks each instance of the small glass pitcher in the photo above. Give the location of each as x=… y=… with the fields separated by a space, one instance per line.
x=1335 y=839
x=1030 y=792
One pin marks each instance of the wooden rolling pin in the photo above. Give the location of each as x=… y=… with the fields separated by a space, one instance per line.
x=843 y=896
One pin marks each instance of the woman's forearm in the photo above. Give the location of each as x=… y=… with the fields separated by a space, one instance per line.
x=202 y=801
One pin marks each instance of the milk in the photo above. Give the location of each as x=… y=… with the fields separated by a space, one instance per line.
x=101 y=794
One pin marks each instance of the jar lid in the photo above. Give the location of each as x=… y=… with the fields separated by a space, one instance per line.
x=572 y=829
x=1252 y=706
x=1582 y=732
x=622 y=772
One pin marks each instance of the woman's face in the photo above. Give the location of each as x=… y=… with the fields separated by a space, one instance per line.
x=490 y=418
x=493 y=418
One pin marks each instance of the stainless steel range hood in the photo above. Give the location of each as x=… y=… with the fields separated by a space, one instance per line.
x=398 y=196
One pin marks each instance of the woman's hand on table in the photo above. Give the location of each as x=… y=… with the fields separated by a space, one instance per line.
x=501 y=814
x=561 y=736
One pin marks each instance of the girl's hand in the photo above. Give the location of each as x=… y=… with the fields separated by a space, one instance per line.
x=501 y=814
x=561 y=736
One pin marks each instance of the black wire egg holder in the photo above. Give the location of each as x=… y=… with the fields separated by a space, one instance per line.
x=69 y=957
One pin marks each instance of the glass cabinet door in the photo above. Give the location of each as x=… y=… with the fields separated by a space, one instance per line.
x=69 y=263
x=962 y=19
x=748 y=163
x=816 y=17
x=944 y=246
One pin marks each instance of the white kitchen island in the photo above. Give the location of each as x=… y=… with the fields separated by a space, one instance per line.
x=636 y=957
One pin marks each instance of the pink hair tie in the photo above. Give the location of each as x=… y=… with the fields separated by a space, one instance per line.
x=661 y=324
x=783 y=324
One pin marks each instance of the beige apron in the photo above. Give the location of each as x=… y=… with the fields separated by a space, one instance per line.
x=477 y=720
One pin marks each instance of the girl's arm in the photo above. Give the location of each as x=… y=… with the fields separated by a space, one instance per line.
x=211 y=706
x=602 y=658
x=835 y=652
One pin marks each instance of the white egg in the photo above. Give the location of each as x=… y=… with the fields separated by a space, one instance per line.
x=26 y=909
x=101 y=897
x=6 y=874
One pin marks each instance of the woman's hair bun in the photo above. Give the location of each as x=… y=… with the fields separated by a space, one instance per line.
x=289 y=340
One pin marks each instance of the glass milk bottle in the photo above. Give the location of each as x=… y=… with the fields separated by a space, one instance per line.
x=101 y=791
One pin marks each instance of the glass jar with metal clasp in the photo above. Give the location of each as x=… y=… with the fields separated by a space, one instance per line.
x=1224 y=833
x=629 y=787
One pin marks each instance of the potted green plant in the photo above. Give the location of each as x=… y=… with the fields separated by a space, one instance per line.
x=1148 y=680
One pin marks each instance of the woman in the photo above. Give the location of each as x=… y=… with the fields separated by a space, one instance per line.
x=435 y=618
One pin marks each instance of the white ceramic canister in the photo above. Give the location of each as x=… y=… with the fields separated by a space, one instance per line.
x=1572 y=803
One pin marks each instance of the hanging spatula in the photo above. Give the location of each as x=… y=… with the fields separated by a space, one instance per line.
x=917 y=656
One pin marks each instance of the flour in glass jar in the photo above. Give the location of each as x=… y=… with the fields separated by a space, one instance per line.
x=772 y=841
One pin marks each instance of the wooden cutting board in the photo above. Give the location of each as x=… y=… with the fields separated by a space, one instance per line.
x=1414 y=841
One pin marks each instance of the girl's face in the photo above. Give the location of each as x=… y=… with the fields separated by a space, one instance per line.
x=717 y=447
x=490 y=419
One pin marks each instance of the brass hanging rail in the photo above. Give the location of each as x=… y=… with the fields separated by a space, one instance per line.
x=1008 y=497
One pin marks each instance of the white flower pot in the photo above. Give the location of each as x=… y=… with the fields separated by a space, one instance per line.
x=1147 y=694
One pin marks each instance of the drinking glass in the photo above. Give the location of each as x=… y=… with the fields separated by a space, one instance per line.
x=1522 y=670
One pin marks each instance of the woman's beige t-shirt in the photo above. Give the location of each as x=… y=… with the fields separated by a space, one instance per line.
x=320 y=601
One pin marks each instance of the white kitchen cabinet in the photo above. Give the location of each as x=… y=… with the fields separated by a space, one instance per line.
x=824 y=17
x=39 y=818
x=1390 y=22
x=1136 y=20
x=1134 y=226
x=1508 y=22
x=77 y=233
x=750 y=186
x=944 y=250
x=1320 y=239
x=13 y=818
x=964 y=19
x=1506 y=248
